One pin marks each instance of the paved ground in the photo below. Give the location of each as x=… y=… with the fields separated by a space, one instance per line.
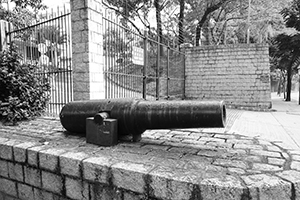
x=256 y=156
x=281 y=126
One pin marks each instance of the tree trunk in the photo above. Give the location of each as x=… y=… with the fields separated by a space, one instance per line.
x=289 y=82
x=158 y=24
x=180 y=23
x=198 y=33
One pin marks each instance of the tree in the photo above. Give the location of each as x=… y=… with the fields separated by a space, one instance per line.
x=288 y=45
x=230 y=20
x=23 y=13
x=211 y=7
x=129 y=10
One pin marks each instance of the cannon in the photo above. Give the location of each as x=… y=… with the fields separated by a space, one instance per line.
x=109 y=120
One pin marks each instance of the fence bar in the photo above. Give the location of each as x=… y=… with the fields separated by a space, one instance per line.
x=145 y=65
x=168 y=69
x=184 y=77
x=157 y=68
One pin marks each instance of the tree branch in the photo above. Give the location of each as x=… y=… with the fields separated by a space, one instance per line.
x=204 y=18
x=125 y=17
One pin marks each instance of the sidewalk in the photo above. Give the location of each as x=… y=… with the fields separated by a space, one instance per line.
x=281 y=126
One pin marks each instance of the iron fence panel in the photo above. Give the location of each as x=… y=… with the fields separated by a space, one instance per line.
x=138 y=64
x=47 y=44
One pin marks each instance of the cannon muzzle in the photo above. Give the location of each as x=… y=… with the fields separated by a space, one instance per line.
x=134 y=116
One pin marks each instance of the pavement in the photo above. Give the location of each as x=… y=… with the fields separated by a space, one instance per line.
x=256 y=156
x=281 y=126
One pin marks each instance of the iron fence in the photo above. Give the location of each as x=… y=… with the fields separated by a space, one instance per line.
x=139 y=64
x=47 y=44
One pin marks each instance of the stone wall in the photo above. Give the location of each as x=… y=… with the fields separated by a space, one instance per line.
x=39 y=161
x=238 y=74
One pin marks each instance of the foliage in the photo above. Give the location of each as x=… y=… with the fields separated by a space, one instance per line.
x=23 y=13
x=287 y=46
x=185 y=20
x=130 y=10
x=26 y=92
x=291 y=15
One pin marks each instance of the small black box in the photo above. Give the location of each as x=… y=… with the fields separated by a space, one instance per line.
x=103 y=135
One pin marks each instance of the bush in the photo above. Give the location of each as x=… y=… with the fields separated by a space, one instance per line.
x=25 y=91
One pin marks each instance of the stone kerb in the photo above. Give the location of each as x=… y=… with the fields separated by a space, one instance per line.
x=238 y=74
x=87 y=49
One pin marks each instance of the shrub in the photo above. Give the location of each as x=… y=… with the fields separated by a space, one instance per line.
x=22 y=87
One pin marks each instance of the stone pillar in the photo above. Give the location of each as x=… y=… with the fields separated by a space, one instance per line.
x=87 y=49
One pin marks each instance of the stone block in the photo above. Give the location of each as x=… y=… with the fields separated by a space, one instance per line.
x=71 y=163
x=262 y=186
x=226 y=187
x=76 y=37
x=130 y=176
x=40 y=194
x=32 y=176
x=96 y=169
x=79 y=47
x=32 y=154
x=276 y=161
x=15 y=171
x=294 y=177
x=77 y=189
x=25 y=191
x=295 y=165
x=48 y=159
x=52 y=182
x=166 y=184
x=265 y=153
x=132 y=196
x=101 y=192
x=20 y=151
x=8 y=187
x=3 y=168
x=79 y=25
x=77 y=4
x=6 y=151
x=81 y=86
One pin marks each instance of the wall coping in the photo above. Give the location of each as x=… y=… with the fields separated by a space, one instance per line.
x=227 y=46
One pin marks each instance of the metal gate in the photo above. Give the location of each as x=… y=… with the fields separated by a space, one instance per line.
x=139 y=64
x=47 y=44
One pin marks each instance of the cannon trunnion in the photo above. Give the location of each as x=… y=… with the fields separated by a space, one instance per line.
x=108 y=120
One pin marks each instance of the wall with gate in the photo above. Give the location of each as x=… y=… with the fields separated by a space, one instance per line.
x=238 y=74
x=92 y=62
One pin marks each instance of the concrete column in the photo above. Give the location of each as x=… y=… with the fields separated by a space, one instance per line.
x=87 y=49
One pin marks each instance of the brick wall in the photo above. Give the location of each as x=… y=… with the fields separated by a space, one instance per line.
x=238 y=74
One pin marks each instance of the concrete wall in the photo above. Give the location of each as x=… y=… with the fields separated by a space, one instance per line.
x=238 y=74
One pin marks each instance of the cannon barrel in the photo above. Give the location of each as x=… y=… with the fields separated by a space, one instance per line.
x=137 y=115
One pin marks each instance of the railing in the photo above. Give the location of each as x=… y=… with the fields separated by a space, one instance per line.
x=47 y=44
x=138 y=64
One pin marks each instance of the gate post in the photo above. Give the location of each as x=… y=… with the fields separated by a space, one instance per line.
x=87 y=49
